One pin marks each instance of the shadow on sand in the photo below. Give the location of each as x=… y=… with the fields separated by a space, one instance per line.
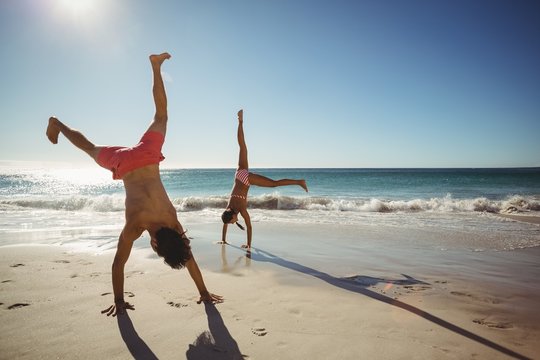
x=136 y=346
x=216 y=343
x=359 y=285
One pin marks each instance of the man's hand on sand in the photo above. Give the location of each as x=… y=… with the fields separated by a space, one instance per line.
x=210 y=298
x=118 y=308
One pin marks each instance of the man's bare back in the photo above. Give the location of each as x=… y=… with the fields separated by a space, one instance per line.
x=148 y=206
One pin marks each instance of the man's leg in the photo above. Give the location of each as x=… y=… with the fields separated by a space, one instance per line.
x=263 y=181
x=243 y=156
x=56 y=127
x=160 y=97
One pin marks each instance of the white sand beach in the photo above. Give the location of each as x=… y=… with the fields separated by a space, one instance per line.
x=388 y=304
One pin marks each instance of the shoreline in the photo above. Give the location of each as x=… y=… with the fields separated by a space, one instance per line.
x=287 y=301
x=531 y=219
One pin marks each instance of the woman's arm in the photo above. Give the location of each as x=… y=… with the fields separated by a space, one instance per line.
x=249 y=231
x=224 y=234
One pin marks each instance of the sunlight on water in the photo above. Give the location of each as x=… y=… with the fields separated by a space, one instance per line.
x=80 y=177
x=85 y=204
x=56 y=181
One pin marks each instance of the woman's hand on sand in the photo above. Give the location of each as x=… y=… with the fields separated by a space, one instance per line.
x=118 y=309
x=210 y=298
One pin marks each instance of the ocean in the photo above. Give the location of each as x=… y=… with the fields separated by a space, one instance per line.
x=44 y=205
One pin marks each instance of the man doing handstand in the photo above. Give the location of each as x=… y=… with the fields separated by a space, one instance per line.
x=148 y=207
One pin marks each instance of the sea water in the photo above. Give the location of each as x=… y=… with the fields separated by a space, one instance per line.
x=41 y=204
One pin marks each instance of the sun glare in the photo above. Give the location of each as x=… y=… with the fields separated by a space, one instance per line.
x=78 y=7
x=81 y=11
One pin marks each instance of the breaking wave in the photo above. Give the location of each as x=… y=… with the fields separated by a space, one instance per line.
x=447 y=204
x=101 y=203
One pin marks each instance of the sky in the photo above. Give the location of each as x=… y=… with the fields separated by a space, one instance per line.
x=322 y=83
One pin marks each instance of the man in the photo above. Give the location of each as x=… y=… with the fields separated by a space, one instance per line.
x=148 y=207
x=243 y=179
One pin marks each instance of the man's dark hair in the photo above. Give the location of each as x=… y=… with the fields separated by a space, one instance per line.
x=172 y=248
x=227 y=215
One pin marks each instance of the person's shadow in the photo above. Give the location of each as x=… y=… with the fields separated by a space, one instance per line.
x=136 y=346
x=359 y=284
x=216 y=343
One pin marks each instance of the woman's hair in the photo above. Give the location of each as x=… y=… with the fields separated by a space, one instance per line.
x=172 y=248
x=227 y=215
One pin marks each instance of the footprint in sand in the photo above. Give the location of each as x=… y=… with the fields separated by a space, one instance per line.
x=177 y=305
x=417 y=287
x=128 y=293
x=476 y=298
x=491 y=324
x=295 y=311
x=134 y=273
x=17 y=305
x=259 y=331
x=16 y=265
x=7 y=281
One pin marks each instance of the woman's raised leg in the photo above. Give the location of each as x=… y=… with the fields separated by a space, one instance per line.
x=263 y=181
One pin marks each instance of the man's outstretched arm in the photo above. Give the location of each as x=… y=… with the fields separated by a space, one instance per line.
x=123 y=250
x=196 y=275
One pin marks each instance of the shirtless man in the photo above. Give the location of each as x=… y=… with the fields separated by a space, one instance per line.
x=148 y=208
x=242 y=180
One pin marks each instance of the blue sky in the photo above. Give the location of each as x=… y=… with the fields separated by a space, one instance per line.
x=322 y=83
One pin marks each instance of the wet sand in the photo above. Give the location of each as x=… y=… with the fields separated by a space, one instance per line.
x=390 y=302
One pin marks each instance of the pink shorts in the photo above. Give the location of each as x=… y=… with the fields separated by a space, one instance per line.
x=121 y=160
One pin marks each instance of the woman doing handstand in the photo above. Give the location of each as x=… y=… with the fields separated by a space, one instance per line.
x=243 y=179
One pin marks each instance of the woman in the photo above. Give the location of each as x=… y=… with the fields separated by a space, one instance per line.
x=243 y=179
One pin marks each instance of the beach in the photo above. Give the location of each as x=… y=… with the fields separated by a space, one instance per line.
x=394 y=299
x=371 y=263
x=378 y=158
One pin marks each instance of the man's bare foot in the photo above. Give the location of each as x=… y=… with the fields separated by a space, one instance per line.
x=159 y=59
x=303 y=185
x=53 y=130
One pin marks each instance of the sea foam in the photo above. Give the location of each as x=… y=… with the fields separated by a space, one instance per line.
x=447 y=204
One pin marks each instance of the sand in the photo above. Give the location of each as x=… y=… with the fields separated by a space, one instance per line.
x=391 y=304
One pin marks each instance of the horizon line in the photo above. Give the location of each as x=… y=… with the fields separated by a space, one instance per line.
x=176 y=167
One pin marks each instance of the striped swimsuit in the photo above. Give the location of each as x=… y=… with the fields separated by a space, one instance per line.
x=243 y=176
